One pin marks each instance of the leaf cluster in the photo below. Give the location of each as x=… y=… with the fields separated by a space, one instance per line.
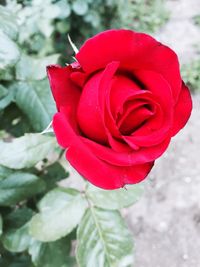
x=191 y=74
x=43 y=223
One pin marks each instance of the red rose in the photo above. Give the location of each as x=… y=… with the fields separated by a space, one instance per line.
x=118 y=106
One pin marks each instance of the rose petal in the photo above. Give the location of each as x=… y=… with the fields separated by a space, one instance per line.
x=89 y=113
x=182 y=110
x=98 y=172
x=103 y=97
x=134 y=51
x=79 y=78
x=121 y=89
x=64 y=131
x=134 y=120
x=127 y=157
x=161 y=92
x=64 y=91
x=102 y=174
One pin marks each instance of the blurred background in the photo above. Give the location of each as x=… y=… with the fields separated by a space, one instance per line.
x=166 y=221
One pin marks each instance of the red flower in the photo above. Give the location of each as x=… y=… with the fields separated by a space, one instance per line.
x=119 y=106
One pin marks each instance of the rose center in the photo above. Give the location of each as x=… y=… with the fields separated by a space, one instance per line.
x=134 y=117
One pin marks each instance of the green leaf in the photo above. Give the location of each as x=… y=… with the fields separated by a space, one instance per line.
x=19 y=186
x=40 y=106
x=62 y=26
x=6 y=100
x=64 y=9
x=17 y=240
x=114 y=199
x=1 y=225
x=50 y=12
x=36 y=69
x=60 y=212
x=15 y=123
x=9 y=52
x=26 y=151
x=15 y=260
x=4 y=172
x=3 y=91
x=6 y=97
x=53 y=254
x=103 y=240
x=16 y=237
x=80 y=7
x=94 y=18
x=18 y=218
x=54 y=173
x=8 y=22
x=7 y=74
x=46 y=27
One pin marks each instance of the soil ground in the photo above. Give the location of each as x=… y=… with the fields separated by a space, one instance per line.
x=166 y=221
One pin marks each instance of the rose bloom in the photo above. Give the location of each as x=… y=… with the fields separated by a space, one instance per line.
x=118 y=106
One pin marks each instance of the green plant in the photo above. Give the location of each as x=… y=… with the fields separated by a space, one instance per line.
x=87 y=17
x=197 y=20
x=40 y=219
x=191 y=74
x=191 y=70
x=142 y=15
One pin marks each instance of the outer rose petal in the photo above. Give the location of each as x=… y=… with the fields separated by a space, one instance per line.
x=127 y=158
x=88 y=112
x=95 y=170
x=64 y=91
x=103 y=101
x=182 y=110
x=102 y=174
x=134 y=51
x=64 y=131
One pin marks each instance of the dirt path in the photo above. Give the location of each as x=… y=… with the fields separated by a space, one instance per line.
x=166 y=222
x=179 y=32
